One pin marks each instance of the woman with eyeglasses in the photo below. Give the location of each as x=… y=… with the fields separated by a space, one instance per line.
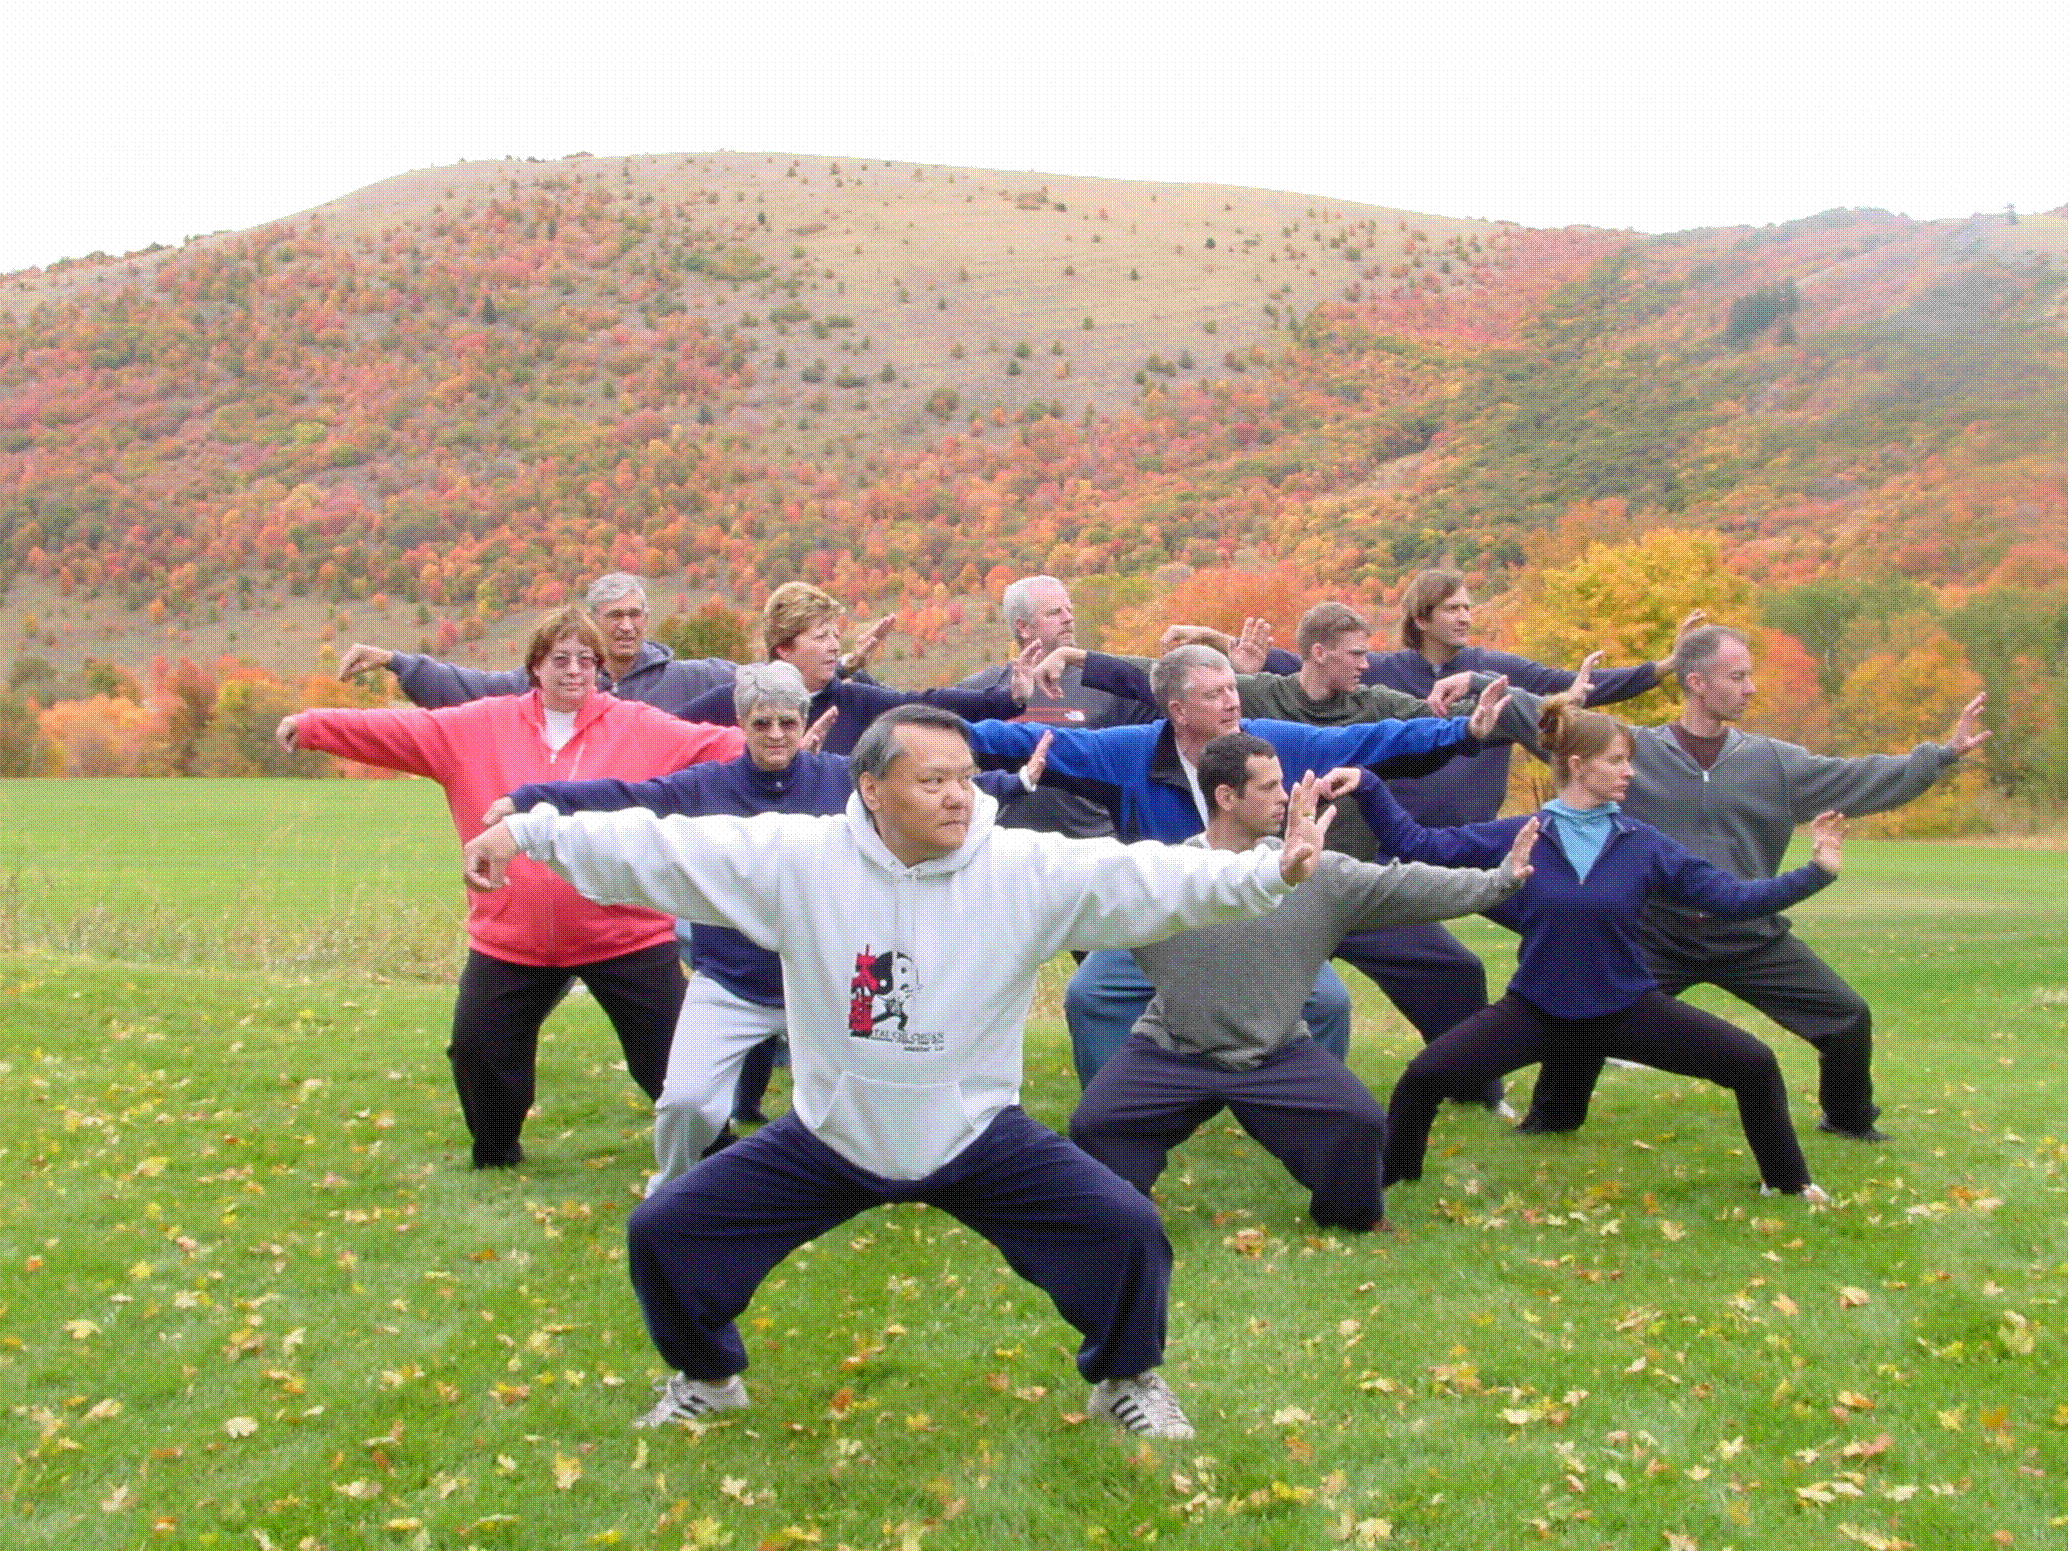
x=526 y=943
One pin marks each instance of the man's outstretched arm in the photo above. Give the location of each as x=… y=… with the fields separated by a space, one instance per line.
x=719 y=870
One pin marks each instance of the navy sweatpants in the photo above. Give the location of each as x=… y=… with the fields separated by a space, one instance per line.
x=1301 y=1104
x=1433 y=979
x=1762 y=963
x=704 y=1242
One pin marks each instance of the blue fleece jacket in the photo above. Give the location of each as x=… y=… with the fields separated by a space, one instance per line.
x=1135 y=772
x=1579 y=956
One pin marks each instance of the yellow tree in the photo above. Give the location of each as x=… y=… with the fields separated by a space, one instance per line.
x=1907 y=695
x=1625 y=599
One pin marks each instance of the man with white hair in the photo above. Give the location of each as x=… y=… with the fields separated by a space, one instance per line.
x=634 y=668
x=1036 y=609
x=1147 y=778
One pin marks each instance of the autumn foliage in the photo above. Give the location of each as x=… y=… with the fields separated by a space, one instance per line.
x=478 y=409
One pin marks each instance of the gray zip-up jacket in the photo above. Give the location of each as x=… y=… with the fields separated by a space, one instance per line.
x=659 y=678
x=1233 y=993
x=1741 y=811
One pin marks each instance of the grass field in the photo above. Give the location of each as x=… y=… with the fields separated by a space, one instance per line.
x=251 y=1296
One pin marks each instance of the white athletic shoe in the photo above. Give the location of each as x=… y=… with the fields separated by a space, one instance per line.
x=1809 y=1195
x=1142 y=1404
x=684 y=1399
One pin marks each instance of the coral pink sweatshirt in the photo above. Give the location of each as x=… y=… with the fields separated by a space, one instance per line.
x=488 y=748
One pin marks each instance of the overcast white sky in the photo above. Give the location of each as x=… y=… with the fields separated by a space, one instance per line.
x=123 y=124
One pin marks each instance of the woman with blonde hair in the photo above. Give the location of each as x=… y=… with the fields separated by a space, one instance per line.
x=1581 y=985
x=800 y=625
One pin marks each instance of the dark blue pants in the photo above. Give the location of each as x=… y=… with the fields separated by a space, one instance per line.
x=1654 y=1029
x=1301 y=1104
x=705 y=1241
x=1758 y=962
x=1435 y=980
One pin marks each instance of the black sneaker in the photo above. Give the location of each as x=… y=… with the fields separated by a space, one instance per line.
x=1867 y=1133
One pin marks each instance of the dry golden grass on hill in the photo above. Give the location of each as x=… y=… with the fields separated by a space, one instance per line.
x=946 y=272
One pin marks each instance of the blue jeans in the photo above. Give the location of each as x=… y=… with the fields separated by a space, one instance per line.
x=1109 y=991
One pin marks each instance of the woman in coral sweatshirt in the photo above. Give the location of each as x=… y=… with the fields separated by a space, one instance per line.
x=524 y=944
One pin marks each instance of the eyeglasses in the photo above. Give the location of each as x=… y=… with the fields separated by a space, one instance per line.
x=562 y=661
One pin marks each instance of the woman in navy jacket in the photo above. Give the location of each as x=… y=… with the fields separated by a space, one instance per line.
x=1580 y=981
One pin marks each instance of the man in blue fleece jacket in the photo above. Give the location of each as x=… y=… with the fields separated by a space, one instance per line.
x=1147 y=777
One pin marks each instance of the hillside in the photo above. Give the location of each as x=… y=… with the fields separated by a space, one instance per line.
x=437 y=403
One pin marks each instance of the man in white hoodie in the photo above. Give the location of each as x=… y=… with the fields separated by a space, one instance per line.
x=910 y=931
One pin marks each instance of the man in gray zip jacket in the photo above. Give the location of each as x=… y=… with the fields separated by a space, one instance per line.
x=1734 y=799
x=635 y=669
x=1224 y=1029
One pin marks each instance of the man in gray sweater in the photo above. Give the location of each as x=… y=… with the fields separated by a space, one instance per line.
x=1734 y=798
x=1224 y=1029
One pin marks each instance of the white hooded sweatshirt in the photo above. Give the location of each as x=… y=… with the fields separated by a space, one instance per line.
x=907 y=987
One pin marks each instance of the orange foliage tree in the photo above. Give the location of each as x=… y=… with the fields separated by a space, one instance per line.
x=103 y=736
x=1221 y=597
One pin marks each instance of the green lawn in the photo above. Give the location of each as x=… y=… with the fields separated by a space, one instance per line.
x=251 y=1296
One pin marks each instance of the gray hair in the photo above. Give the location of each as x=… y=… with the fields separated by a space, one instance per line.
x=1017 y=606
x=769 y=683
x=1172 y=674
x=877 y=749
x=1698 y=649
x=608 y=589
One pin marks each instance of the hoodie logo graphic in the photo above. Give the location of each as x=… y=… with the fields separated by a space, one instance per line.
x=879 y=1002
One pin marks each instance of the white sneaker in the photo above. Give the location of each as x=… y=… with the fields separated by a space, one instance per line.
x=684 y=1399
x=1809 y=1195
x=1142 y=1404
